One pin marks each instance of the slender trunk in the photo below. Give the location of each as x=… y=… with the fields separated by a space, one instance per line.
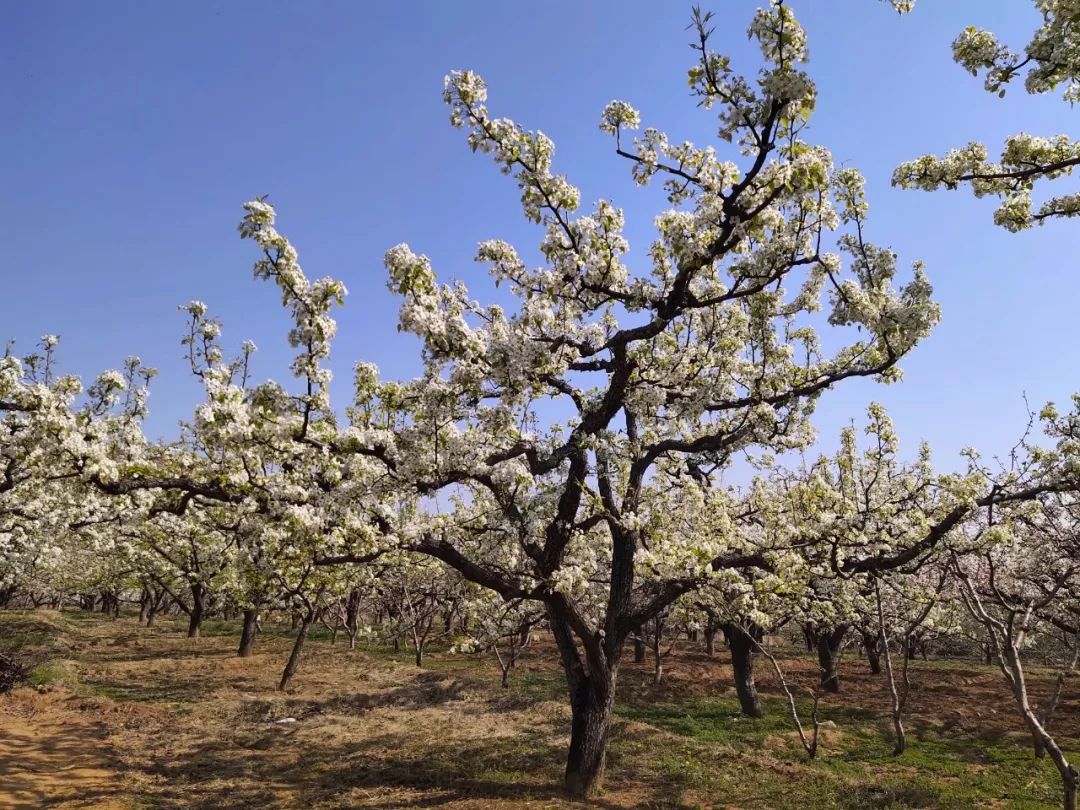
x=639 y=647
x=294 y=656
x=144 y=605
x=710 y=638
x=658 y=663
x=1070 y=777
x=742 y=667
x=247 y=635
x=352 y=617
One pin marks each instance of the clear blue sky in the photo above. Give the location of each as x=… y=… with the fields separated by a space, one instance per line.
x=133 y=132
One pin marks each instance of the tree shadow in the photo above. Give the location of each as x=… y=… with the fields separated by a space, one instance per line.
x=273 y=770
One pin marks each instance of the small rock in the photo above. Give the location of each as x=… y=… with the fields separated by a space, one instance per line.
x=285 y=721
x=826 y=724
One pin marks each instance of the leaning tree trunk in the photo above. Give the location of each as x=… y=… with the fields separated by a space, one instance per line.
x=298 y=646
x=828 y=652
x=741 y=645
x=247 y=635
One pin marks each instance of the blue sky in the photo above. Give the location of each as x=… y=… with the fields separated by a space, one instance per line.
x=134 y=131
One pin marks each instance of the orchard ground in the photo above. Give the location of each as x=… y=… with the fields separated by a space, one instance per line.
x=123 y=716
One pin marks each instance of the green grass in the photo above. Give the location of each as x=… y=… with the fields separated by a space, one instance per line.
x=855 y=768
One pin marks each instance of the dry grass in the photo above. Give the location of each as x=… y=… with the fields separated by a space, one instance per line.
x=158 y=721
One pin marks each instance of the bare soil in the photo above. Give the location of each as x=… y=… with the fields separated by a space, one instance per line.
x=160 y=721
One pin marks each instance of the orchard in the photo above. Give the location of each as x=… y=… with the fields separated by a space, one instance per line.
x=608 y=466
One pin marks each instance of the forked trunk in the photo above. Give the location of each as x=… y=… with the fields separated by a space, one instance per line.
x=247 y=635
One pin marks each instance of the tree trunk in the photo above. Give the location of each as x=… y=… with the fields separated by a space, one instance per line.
x=294 y=656
x=198 y=606
x=7 y=593
x=352 y=617
x=144 y=605
x=828 y=652
x=873 y=652
x=247 y=635
x=710 y=638
x=592 y=705
x=639 y=647
x=742 y=668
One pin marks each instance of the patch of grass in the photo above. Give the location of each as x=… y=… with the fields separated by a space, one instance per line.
x=29 y=631
x=58 y=672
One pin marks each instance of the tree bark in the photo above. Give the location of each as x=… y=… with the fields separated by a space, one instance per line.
x=591 y=704
x=247 y=635
x=828 y=651
x=873 y=652
x=198 y=608
x=352 y=617
x=294 y=656
x=592 y=700
x=741 y=645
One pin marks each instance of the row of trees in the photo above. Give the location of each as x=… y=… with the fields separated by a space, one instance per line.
x=562 y=463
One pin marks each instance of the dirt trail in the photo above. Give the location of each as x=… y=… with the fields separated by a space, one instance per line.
x=51 y=756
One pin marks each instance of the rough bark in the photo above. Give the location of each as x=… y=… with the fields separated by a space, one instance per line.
x=828 y=641
x=741 y=644
x=250 y=630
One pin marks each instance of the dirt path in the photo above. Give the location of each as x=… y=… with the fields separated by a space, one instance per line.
x=53 y=756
